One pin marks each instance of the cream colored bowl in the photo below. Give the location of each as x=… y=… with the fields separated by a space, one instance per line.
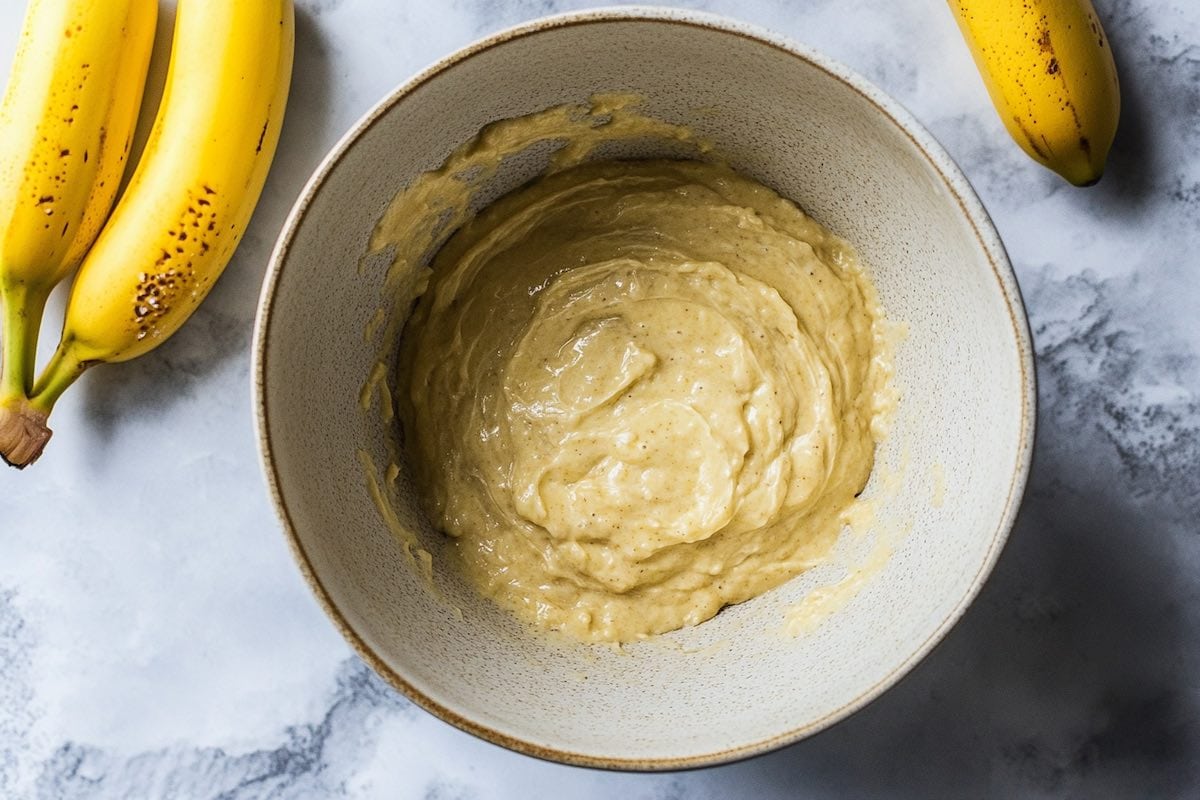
x=950 y=476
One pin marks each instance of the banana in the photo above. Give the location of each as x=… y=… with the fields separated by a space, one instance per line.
x=189 y=201
x=1049 y=69
x=66 y=123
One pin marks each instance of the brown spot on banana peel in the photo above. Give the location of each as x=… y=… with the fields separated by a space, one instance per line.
x=173 y=277
x=1046 y=43
x=1031 y=139
x=1097 y=30
x=262 y=136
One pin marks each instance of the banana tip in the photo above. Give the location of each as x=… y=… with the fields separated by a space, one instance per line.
x=1082 y=177
x=23 y=433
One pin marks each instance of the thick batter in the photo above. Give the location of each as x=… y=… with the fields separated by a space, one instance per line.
x=636 y=392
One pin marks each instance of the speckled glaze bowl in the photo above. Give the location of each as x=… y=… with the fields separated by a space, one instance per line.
x=953 y=468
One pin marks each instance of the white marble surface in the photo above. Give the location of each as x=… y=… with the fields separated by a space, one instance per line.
x=156 y=640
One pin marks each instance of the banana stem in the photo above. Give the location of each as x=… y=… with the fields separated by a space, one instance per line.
x=22 y=319
x=62 y=371
x=23 y=432
x=23 y=428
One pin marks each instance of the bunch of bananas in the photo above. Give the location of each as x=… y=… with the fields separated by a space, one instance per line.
x=1050 y=71
x=66 y=127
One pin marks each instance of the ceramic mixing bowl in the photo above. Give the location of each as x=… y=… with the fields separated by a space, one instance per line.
x=948 y=480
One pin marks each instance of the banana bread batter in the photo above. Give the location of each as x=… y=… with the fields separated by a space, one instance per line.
x=636 y=392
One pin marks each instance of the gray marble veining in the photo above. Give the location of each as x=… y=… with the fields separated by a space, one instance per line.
x=156 y=641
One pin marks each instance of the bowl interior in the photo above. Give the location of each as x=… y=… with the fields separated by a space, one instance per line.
x=948 y=476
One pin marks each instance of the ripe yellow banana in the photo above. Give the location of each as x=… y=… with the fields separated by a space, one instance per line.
x=189 y=201
x=1049 y=69
x=66 y=122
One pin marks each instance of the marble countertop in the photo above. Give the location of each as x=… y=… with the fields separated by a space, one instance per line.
x=157 y=641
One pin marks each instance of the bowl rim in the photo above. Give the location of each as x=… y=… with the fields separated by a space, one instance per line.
x=955 y=182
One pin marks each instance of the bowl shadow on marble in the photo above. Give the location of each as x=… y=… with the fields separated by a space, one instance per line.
x=1065 y=671
x=1060 y=673
x=221 y=328
x=1068 y=672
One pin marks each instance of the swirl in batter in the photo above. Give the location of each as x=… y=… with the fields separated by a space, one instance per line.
x=636 y=392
